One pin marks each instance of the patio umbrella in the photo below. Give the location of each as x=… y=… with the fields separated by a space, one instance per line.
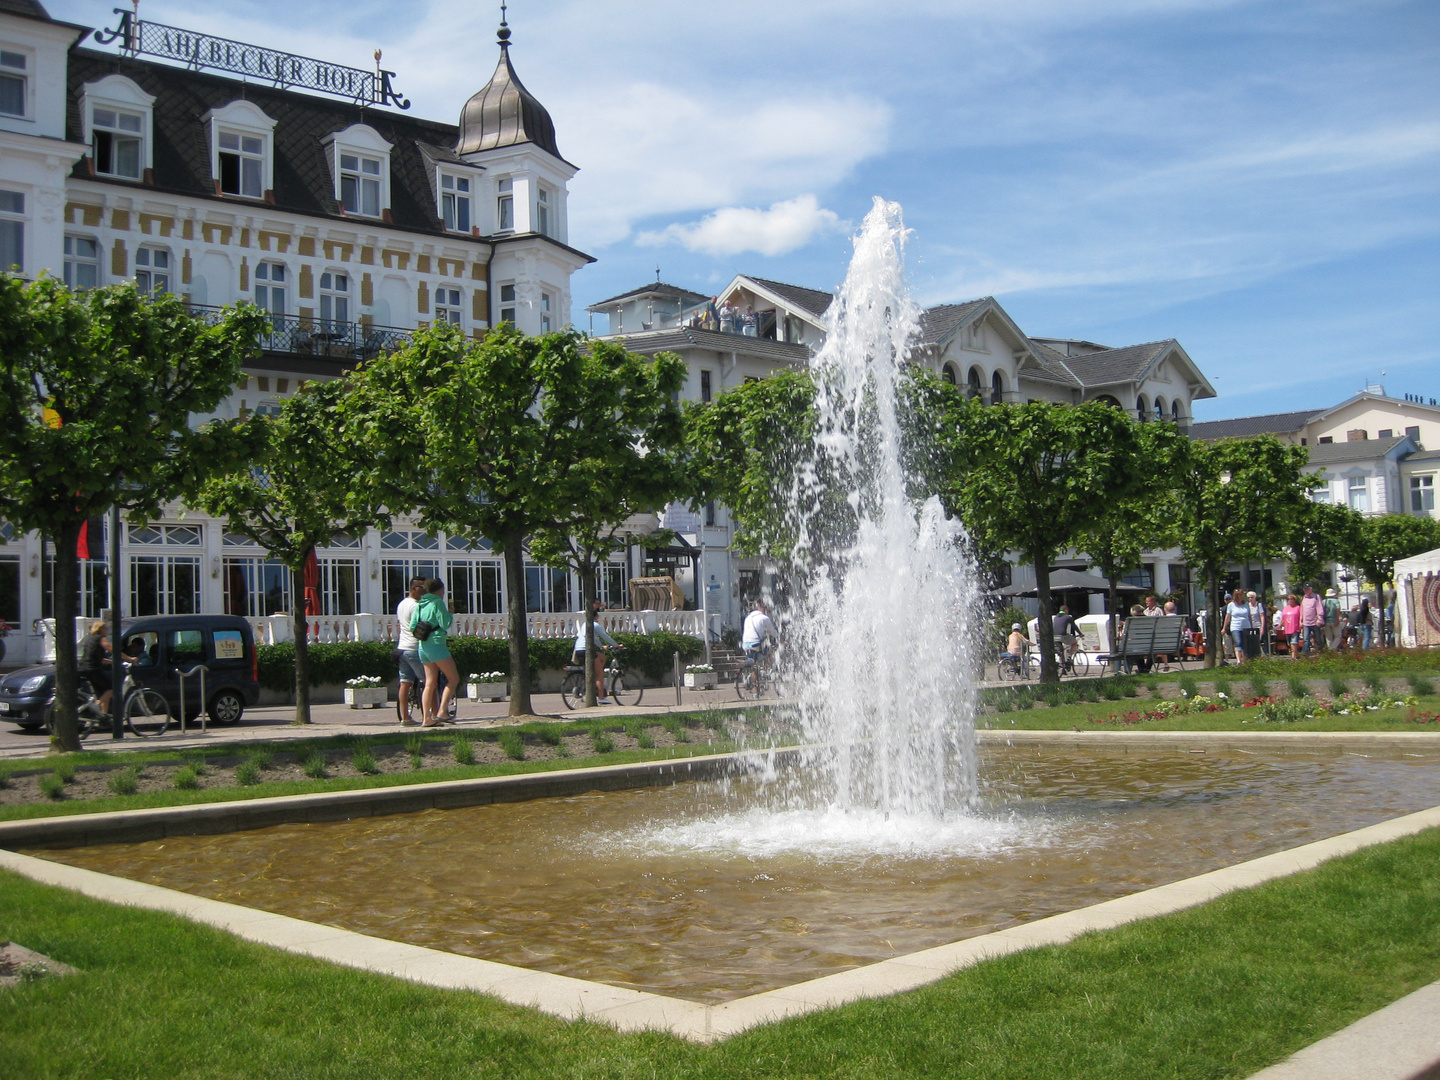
x=1071 y=581
x=312 y=584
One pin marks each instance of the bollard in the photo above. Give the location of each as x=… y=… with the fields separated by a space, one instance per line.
x=202 y=670
x=677 y=678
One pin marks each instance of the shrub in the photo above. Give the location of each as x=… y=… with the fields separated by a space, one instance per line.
x=1422 y=687
x=52 y=786
x=315 y=766
x=603 y=743
x=512 y=744
x=1111 y=690
x=364 y=761
x=1298 y=689
x=66 y=771
x=1222 y=686
x=1187 y=684
x=1338 y=686
x=681 y=735
x=4 y=778
x=187 y=779
x=1259 y=686
x=1373 y=682
x=548 y=735
x=124 y=782
x=1086 y=691
x=417 y=761
x=415 y=744
x=645 y=741
x=463 y=751
x=248 y=772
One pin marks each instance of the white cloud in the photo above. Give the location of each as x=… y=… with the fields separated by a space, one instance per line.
x=732 y=229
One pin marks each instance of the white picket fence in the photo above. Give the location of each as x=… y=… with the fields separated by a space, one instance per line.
x=274 y=629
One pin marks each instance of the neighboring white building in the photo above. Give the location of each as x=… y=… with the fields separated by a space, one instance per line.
x=353 y=224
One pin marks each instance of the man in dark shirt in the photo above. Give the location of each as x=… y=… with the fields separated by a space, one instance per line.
x=1067 y=632
x=94 y=663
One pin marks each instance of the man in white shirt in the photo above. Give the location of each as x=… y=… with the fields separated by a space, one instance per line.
x=412 y=671
x=759 y=634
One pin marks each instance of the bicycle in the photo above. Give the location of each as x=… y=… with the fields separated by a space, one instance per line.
x=405 y=711
x=1012 y=667
x=754 y=677
x=144 y=711
x=1078 y=664
x=623 y=685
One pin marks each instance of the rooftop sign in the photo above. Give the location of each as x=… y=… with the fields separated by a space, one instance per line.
x=285 y=70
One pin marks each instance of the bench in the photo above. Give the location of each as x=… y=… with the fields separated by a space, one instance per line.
x=1148 y=639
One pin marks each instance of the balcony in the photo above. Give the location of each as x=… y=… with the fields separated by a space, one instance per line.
x=296 y=335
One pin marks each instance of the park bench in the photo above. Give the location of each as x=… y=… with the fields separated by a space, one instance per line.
x=1148 y=638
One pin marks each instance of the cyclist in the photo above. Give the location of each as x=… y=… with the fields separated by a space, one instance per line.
x=94 y=665
x=759 y=637
x=1017 y=646
x=601 y=638
x=1067 y=634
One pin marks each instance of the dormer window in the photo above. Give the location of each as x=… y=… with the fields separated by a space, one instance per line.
x=13 y=82
x=360 y=185
x=455 y=202
x=505 y=207
x=117 y=142
x=542 y=211
x=242 y=165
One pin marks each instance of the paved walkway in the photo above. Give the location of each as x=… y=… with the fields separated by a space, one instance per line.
x=274 y=722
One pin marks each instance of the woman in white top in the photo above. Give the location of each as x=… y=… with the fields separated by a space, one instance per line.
x=1237 y=621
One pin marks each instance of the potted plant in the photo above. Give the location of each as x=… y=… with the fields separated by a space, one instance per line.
x=365 y=691
x=700 y=677
x=487 y=686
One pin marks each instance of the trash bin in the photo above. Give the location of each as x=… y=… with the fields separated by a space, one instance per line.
x=1250 y=642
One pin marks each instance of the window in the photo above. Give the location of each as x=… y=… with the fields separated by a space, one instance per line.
x=339 y=586
x=1326 y=439
x=544 y=312
x=396 y=575
x=610 y=585
x=947 y=374
x=505 y=206
x=82 y=262
x=152 y=271
x=710 y=514
x=10 y=590
x=1359 y=494
x=1422 y=494
x=94 y=588
x=334 y=301
x=546 y=588
x=180 y=535
x=12 y=83
x=116 y=142
x=997 y=388
x=242 y=164
x=455 y=202
x=270 y=287
x=1414 y=433
x=507 y=303
x=360 y=184
x=1321 y=495
x=12 y=229
x=542 y=211
x=164 y=584
x=705 y=385
x=1385 y=433
x=447 y=306
x=475 y=587
x=256 y=587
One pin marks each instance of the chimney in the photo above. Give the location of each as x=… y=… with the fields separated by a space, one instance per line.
x=1356 y=435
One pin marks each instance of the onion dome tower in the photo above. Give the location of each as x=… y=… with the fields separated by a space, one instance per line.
x=505 y=113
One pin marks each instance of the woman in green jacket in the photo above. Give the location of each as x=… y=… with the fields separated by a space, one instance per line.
x=434 y=653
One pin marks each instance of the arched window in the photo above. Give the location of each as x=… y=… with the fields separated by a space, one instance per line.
x=1142 y=408
x=997 y=388
x=1159 y=408
x=1106 y=399
x=947 y=374
x=973 y=382
x=1175 y=410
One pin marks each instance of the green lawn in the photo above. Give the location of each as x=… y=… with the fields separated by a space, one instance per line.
x=1096 y=716
x=1215 y=992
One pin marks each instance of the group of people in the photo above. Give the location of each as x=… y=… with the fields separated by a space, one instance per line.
x=424 y=657
x=1303 y=624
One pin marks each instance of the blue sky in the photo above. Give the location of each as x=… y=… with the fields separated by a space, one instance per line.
x=1260 y=180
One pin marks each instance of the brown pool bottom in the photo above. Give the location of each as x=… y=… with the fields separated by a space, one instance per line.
x=680 y=890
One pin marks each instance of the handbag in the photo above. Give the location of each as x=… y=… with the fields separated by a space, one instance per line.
x=422 y=629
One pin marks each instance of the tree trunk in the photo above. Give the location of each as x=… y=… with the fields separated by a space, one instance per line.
x=516 y=626
x=587 y=597
x=66 y=733
x=1213 y=650
x=302 y=643
x=1045 y=631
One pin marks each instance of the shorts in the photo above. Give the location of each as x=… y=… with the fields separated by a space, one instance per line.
x=99 y=680
x=757 y=650
x=411 y=670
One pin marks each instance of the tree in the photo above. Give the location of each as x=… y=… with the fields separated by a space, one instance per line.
x=1380 y=541
x=1235 y=500
x=1321 y=534
x=1029 y=478
x=300 y=491
x=628 y=436
x=479 y=439
x=97 y=394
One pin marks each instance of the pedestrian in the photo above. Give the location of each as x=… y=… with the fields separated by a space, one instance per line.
x=1290 y=625
x=430 y=624
x=601 y=638
x=1236 y=622
x=1332 y=621
x=1365 y=624
x=407 y=651
x=1312 y=620
x=1255 y=636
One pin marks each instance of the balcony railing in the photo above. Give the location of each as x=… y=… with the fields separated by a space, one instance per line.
x=308 y=336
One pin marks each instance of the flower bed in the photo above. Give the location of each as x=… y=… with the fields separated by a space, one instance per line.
x=1267 y=709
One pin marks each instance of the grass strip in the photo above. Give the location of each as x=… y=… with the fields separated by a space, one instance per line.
x=1213 y=993
x=1096 y=718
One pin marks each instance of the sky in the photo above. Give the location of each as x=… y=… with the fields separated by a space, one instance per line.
x=1259 y=180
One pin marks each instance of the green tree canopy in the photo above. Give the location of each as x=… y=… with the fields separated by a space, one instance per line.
x=1380 y=541
x=1321 y=534
x=97 y=394
x=304 y=486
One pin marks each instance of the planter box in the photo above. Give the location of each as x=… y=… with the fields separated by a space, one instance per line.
x=703 y=680
x=485 y=691
x=366 y=697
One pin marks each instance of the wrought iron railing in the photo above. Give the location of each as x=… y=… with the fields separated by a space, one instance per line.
x=308 y=336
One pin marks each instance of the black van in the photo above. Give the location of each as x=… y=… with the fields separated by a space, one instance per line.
x=164 y=645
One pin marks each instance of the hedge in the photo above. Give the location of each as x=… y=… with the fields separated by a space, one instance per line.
x=333 y=664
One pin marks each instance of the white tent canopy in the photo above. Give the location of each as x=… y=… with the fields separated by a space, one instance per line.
x=1417 y=599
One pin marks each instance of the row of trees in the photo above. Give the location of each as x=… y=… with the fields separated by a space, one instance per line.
x=515 y=440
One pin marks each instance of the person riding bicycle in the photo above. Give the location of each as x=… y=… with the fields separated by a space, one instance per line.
x=1017 y=647
x=1067 y=634
x=601 y=638
x=759 y=636
x=94 y=663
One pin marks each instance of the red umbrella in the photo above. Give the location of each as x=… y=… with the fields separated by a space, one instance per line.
x=312 y=584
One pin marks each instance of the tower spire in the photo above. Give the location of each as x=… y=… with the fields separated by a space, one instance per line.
x=504 y=32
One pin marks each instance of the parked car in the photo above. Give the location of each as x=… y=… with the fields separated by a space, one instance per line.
x=164 y=645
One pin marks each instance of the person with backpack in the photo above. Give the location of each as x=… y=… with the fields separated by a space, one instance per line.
x=1332 y=621
x=430 y=624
